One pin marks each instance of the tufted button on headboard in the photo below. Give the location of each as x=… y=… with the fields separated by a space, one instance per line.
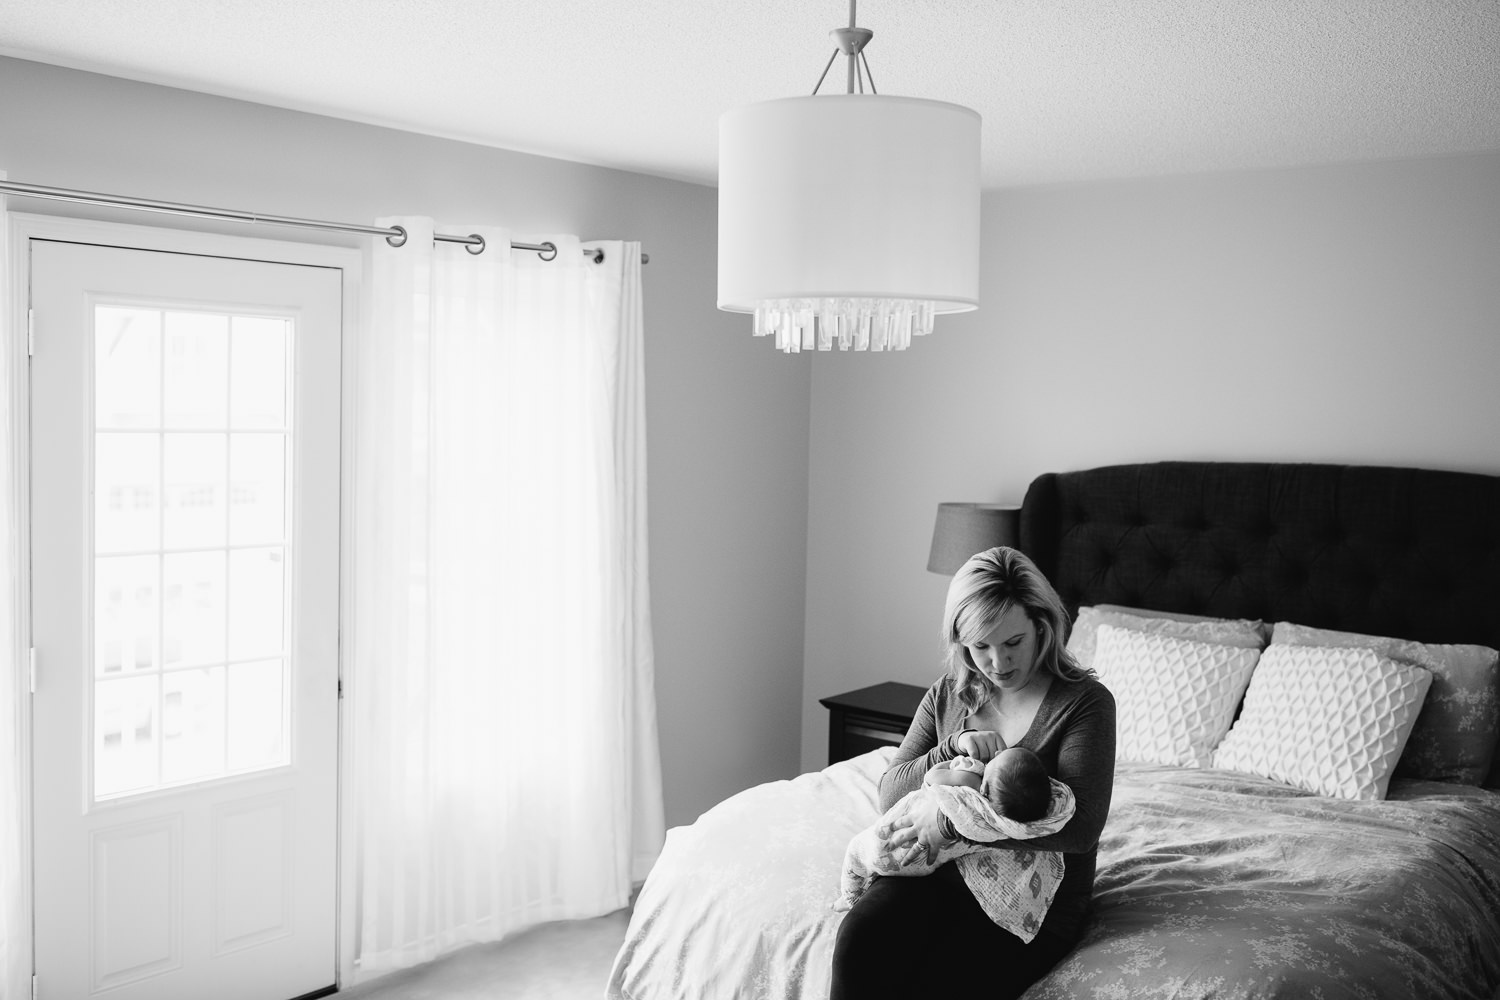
x=1404 y=552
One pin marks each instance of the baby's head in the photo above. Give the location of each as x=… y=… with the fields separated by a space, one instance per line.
x=1018 y=785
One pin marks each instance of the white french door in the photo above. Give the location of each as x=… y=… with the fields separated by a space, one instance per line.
x=184 y=553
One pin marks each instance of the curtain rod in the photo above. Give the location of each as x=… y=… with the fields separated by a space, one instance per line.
x=394 y=235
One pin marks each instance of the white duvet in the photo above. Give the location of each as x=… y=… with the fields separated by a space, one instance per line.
x=764 y=902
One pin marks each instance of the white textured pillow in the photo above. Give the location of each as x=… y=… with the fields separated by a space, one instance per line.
x=1174 y=697
x=1220 y=631
x=1453 y=738
x=1332 y=720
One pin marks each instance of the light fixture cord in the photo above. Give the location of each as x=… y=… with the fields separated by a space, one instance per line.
x=853 y=56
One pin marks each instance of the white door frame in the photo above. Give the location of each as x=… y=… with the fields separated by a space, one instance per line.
x=15 y=340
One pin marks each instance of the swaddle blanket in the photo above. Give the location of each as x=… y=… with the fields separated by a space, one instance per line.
x=1015 y=888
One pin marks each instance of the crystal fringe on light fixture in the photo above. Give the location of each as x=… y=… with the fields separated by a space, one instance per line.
x=857 y=324
x=848 y=220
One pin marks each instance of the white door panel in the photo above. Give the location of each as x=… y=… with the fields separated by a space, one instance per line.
x=184 y=553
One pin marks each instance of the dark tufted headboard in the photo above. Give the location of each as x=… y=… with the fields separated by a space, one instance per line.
x=1384 y=551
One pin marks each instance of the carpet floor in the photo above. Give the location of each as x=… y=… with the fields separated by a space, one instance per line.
x=566 y=960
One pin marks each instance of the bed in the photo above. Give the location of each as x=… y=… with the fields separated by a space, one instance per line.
x=1235 y=863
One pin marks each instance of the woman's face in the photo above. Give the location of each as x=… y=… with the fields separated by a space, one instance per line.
x=1006 y=656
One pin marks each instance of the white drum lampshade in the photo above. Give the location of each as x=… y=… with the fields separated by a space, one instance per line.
x=848 y=219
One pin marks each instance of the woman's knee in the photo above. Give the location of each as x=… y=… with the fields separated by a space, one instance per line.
x=880 y=936
x=867 y=932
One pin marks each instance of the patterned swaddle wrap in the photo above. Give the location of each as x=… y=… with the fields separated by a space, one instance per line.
x=1014 y=888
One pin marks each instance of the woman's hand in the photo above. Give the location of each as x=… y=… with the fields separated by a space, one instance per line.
x=919 y=834
x=981 y=744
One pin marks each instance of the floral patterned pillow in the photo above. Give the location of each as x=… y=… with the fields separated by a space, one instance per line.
x=1455 y=735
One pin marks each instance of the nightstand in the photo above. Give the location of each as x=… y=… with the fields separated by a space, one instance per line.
x=878 y=716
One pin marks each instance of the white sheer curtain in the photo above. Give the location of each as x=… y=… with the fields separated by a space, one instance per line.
x=15 y=921
x=506 y=760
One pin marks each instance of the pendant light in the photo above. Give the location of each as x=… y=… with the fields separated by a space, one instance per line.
x=849 y=219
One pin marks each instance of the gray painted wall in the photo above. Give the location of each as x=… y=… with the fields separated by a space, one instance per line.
x=726 y=415
x=1344 y=314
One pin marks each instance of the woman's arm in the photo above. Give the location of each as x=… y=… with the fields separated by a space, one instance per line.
x=919 y=751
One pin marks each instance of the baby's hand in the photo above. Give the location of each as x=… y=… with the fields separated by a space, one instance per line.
x=948 y=774
x=932 y=777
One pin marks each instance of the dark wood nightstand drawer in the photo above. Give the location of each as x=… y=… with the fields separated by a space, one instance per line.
x=860 y=721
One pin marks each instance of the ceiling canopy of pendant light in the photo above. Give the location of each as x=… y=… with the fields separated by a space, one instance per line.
x=848 y=220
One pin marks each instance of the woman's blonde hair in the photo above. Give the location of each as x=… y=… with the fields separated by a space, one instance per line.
x=982 y=591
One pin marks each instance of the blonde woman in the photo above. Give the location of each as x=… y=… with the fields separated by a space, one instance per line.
x=1010 y=682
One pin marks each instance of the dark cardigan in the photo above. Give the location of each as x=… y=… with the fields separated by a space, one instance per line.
x=1074 y=735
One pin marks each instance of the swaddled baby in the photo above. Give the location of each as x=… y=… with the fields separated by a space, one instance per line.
x=1019 y=786
x=1015 y=887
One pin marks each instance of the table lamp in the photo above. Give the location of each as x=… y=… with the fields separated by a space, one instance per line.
x=964 y=529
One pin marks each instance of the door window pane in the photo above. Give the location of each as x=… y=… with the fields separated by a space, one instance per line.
x=256 y=603
x=127 y=367
x=125 y=614
x=257 y=714
x=192 y=724
x=127 y=480
x=193 y=619
x=194 y=469
x=125 y=730
x=192 y=540
x=258 y=376
x=257 y=488
x=195 y=368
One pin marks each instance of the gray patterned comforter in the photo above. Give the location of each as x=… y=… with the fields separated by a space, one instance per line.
x=1212 y=886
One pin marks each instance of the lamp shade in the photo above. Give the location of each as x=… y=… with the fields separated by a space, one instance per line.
x=849 y=197
x=963 y=529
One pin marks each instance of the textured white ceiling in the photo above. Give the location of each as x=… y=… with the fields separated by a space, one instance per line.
x=1068 y=89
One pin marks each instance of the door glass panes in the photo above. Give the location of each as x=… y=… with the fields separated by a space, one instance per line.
x=192 y=474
